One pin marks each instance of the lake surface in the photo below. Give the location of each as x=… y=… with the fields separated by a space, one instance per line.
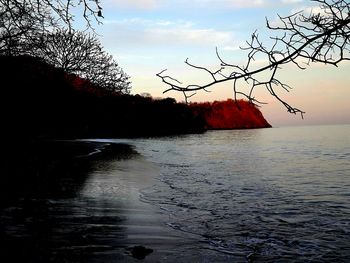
x=265 y=195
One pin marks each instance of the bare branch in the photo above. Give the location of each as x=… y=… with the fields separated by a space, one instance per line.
x=302 y=38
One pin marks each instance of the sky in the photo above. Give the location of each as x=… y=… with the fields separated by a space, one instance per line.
x=147 y=36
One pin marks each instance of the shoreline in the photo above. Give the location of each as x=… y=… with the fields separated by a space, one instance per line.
x=35 y=168
x=83 y=204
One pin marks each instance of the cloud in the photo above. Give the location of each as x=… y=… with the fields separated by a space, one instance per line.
x=233 y=3
x=302 y=9
x=291 y=1
x=153 y=33
x=153 y=4
x=313 y=10
x=232 y=47
x=131 y=4
x=143 y=22
x=175 y=5
x=188 y=36
x=236 y=4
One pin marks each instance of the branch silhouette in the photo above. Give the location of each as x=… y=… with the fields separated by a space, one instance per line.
x=81 y=54
x=44 y=29
x=319 y=37
x=20 y=19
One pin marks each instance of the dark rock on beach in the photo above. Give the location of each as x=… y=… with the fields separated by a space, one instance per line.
x=140 y=252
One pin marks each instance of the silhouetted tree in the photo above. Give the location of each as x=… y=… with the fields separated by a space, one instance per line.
x=321 y=36
x=20 y=18
x=18 y=21
x=44 y=29
x=81 y=54
x=106 y=73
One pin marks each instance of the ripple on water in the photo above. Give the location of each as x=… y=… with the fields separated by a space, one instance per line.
x=266 y=195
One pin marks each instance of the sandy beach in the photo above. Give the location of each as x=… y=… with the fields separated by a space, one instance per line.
x=83 y=206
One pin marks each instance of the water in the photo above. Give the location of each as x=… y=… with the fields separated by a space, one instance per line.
x=270 y=195
x=265 y=195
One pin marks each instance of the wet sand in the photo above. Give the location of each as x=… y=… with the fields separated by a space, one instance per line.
x=80 y=202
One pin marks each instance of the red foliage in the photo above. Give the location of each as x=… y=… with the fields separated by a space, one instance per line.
x=230 y=115
x=86 y=86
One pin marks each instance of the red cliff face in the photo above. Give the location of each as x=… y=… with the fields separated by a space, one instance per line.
x=230 y=115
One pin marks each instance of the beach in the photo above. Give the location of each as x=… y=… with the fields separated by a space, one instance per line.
x=263 y=195
x=84 y=205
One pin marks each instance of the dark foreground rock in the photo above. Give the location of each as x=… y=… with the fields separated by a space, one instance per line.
x=140 y=252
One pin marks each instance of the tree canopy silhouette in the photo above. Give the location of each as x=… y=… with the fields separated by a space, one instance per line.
x=320 y=36
x=20 y=18
x=44 y=29
x=81 y=54
x=53 y=12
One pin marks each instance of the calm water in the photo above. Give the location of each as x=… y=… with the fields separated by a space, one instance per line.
x=266 y=195
x=278 y=195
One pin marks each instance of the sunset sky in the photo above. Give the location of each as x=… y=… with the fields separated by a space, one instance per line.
x=147 y=36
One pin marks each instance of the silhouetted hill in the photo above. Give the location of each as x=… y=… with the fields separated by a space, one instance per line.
x=45 y=102
x=40 y=101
